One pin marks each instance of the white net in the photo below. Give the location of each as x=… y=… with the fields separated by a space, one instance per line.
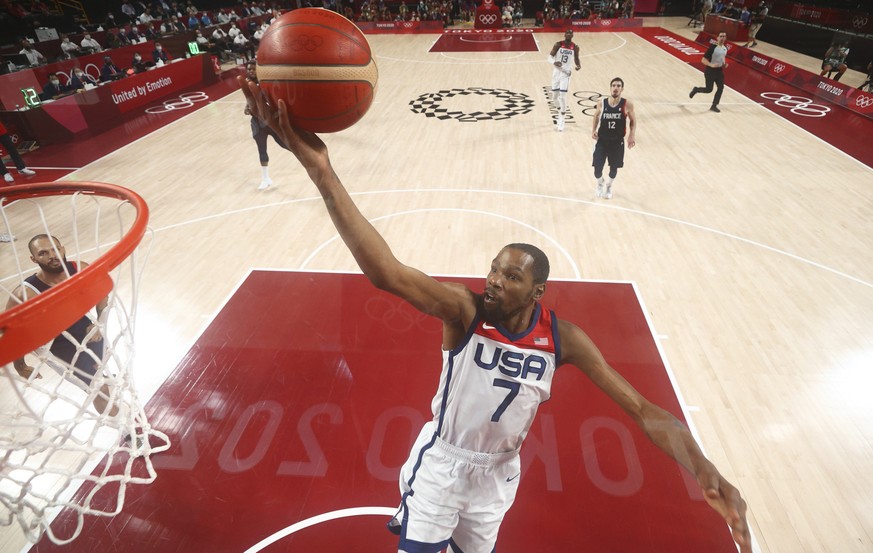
x=73 y=433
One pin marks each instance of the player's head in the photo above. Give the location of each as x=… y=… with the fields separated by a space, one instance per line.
x=251 y=70
x=721 y=38
x=50 y=257
x=616 y=86
x=517 y=279
x=568 y=34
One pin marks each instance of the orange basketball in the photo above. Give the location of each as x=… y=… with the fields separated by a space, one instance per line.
x=320 y=63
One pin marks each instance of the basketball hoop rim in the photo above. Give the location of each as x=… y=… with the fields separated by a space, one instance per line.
x=37 y=321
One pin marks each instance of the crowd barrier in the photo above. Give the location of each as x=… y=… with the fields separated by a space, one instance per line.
x=103 y=107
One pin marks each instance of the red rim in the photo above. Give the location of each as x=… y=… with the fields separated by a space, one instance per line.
x=37 y=321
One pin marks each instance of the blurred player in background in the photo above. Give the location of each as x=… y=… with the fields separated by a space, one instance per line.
x=564 y=53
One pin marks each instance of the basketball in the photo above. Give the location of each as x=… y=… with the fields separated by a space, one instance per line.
x=320 y=63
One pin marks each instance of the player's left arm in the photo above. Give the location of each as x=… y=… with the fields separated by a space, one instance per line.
x=662 y=428
x=631 y=124
x=576 y=53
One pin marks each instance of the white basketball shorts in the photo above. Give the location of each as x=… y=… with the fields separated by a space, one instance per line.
x=454 y=497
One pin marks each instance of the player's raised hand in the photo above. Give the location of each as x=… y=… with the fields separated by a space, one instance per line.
x=306 y=146
x=727 y=501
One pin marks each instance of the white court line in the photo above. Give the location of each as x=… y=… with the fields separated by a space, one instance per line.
x=554 y=242
x=601 y=205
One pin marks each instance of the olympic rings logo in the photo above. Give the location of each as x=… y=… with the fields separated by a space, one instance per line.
x=488 y=19
x=306 y=42
x=863 y=101
x=779 y=67
x=605 y=22
x=798 y=105
x=859 y=21
x=587 y=99
x=184 y=101
x=396 y=317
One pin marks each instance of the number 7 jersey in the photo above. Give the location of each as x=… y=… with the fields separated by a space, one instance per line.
x=493 y=382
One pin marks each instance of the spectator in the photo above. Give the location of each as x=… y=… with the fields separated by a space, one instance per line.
x=34 y=56
x=205 y=21
x=137 y=64
x=222 y=17
x=128 y=10
x=146 y=16
x=202 y=42
x=869 y=82
x=68 y=47
x=233 y=31
x=90 y=45
x=242 y=45
x=220 y=39
x=758 y=17
x=193 y=22
x=835 y=60
x=173 y=27
x=133 y=35
x=80 y=79
x=745 y=16
x=159 y=55
x=9 y=146
x=110 y=71
x=53 y=88
x=110 y=22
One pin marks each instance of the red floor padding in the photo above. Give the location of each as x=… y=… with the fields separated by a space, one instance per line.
x=303 y=397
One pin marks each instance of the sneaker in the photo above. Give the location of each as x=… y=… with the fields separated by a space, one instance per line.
x=7 y=237
x=599 y=192
x=560 y=123
x=692 y=93
x=715 y=109
x=8 y=177
x=754 y=44
x=608 y=193
x=266 y=183
x=26 y=171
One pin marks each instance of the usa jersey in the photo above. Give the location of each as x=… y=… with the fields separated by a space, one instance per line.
x=493 y=382
x=567 y=56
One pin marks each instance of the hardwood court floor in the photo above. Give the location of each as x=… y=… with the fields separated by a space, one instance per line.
x=748 y=238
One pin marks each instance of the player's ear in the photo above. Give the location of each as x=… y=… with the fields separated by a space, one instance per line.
x=539 y=291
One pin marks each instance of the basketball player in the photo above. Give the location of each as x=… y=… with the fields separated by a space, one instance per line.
x=614 y=115
x=260 y=132
x=500 y=351
x=714 y=60
x=51 y=257
x=562 y=54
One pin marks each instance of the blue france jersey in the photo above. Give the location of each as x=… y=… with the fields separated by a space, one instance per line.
x=493 y=382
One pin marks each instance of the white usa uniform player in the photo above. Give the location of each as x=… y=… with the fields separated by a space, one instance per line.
x=519 y=378
x=463 y=471
x=563 y=55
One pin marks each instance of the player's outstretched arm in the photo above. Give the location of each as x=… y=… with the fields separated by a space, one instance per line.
x=662 y=428
x=369 y=249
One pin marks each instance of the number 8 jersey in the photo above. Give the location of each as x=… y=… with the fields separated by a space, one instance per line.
x=493 y=382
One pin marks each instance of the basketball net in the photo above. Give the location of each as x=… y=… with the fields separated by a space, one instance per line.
x=70 y=439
